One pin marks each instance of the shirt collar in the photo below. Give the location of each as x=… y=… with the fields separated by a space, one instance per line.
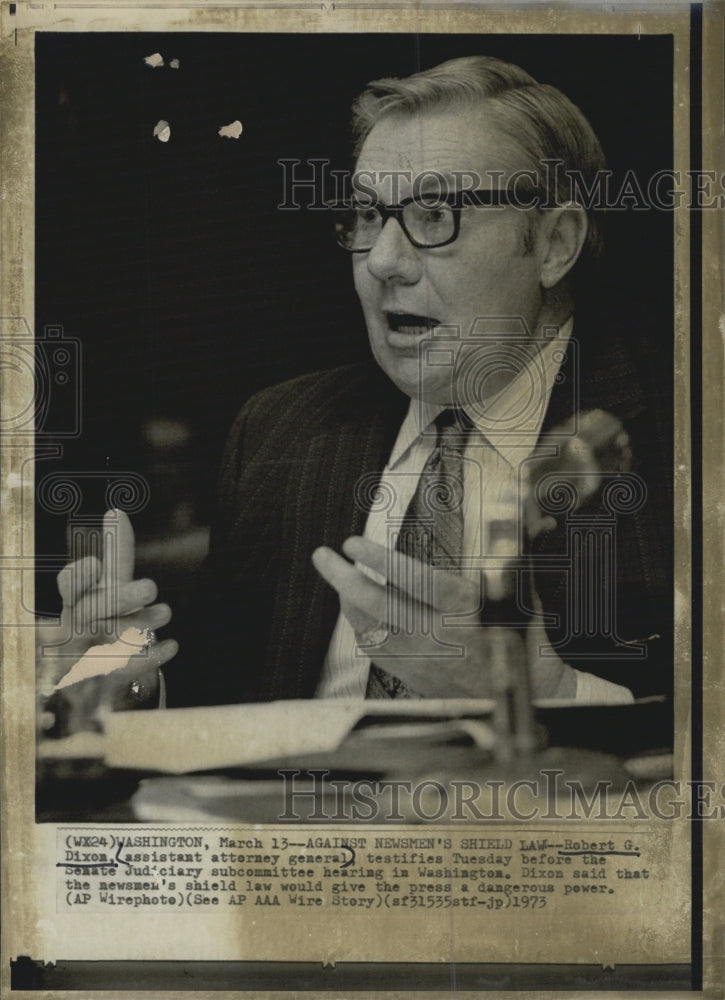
x=418 y=419
x=512 y=420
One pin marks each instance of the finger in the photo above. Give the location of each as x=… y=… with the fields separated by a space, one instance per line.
x=360 y=621
x=356 y=590
x=75 y=578
x=366 y=602
x=153 y=617
x=155 y=656
x=165 y=651
x=118 y=549
x=440 y=588
x=113 y=602
x=410 y=576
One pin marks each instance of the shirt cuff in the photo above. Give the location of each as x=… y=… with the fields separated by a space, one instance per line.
x=594 y=690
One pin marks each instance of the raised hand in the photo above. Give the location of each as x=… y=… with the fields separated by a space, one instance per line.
x=421 y=624
x=106 y=623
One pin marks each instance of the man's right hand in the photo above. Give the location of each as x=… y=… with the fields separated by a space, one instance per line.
x=101 y=601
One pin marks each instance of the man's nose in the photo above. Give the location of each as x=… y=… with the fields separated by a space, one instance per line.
x=393 y=256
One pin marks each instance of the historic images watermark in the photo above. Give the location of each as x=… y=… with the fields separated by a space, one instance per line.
x=314 y=184
x=313 y=795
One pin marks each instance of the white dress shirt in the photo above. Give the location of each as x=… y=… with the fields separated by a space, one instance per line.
x=505 y=433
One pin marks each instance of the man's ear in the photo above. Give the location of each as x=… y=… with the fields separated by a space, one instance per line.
x=564 y=231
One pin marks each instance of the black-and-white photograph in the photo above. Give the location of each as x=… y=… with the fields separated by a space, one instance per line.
x=428 y=284
x=356 y=495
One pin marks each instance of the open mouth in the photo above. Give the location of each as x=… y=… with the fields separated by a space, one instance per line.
x=412 y=324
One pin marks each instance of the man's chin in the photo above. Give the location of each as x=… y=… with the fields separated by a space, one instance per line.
x=419 y=384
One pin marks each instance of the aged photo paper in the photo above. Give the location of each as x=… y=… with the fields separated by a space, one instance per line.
x=213 y=778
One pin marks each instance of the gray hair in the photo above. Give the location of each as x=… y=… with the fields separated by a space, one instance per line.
x=544 y=123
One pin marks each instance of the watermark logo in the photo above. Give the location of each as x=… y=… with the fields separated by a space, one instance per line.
x=315 y=796
x=314 y=184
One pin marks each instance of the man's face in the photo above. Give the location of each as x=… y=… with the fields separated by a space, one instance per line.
x=407 y=292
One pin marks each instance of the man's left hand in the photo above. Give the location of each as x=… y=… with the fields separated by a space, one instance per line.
x=434 y=642
x=425 y=624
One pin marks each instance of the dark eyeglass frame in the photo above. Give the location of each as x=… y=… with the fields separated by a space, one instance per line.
x=482 y=197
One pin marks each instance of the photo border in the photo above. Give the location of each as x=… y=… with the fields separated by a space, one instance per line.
x=698 y=308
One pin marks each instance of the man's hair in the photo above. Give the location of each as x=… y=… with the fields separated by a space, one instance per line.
x=537 y=117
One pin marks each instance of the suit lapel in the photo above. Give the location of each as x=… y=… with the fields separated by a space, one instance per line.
x=327 y=501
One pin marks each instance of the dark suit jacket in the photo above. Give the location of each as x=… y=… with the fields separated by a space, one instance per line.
x=288 y=484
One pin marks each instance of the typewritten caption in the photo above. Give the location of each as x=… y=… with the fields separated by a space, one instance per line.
x=210 y=870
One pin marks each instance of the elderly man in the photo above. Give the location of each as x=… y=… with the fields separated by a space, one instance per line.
x=464 y=237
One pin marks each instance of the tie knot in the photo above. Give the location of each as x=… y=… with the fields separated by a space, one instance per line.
x=453 y=426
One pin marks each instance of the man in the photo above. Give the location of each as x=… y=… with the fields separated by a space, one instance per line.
x=469 y=304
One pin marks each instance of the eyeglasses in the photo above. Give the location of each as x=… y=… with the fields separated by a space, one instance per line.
x=428 y=220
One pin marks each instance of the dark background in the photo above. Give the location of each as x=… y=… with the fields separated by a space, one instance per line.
x=188 y=289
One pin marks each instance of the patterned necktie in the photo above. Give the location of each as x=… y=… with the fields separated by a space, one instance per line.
x=432 y=529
